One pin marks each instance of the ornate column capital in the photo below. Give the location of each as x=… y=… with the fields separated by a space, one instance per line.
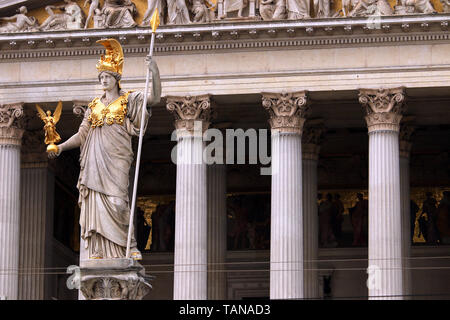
x=406 y=131
x=287 y=110
x=79 y=107
x=10 y=133
x=190 y=109
x=311 y=139
x=384 y=108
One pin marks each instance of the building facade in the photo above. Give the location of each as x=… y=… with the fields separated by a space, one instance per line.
x=341 y=98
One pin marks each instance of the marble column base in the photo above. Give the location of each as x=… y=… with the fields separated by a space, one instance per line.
x=113 y=279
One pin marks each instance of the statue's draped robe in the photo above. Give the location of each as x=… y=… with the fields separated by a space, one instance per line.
x=105 y=160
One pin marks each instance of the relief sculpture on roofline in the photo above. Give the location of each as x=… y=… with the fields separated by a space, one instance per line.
x=84 y=14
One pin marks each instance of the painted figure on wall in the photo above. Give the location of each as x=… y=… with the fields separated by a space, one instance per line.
x=443 y=218
x=359 y=214
x=429 y=209
x=104 y=138
x=326 y=236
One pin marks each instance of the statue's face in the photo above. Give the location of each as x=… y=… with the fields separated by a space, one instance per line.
x=107 y=81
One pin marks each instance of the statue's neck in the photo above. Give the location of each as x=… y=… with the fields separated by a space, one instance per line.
x=111 y=95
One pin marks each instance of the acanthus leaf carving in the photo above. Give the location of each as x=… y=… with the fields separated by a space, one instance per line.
x=189 y=109
x=384 y=108
x=287 y=110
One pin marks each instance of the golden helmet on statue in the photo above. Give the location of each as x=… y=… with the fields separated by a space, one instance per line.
x=112 y=60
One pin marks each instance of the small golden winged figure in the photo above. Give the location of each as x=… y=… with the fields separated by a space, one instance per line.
x=51 y=136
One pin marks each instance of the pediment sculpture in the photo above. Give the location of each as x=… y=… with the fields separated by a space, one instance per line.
x=123 y=13
x=116 y=14
x=22 y=23
x=63 y=17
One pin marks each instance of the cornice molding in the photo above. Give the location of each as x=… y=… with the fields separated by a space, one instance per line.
x=232 y=36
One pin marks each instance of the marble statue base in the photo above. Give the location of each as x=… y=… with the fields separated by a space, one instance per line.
x=113 y=279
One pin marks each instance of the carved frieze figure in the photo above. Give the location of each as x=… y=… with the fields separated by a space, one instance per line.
x=414 y=6
x=366 y=8
x=152 y=5
x=201 y=11
x=233 y=5
x=272 y=9
x=22 y=23
x=322 y=8
x=445 y=6
x=70 y=16
x=177 y=12
x=116 y=14
x=298 y=9
x=347 y=6
x=92 y=9
x=106 y=154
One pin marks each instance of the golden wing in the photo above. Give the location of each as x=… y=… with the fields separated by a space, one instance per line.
x=41 y=112
x=57 y=113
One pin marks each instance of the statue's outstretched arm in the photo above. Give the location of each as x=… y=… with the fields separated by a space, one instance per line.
x=72 y=143
x=155 y=94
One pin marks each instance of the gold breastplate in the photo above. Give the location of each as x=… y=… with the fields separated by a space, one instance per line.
x=114 y=112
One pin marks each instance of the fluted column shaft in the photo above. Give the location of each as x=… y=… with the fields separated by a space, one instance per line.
x=190 y=258
x=36 y=229
x=286 y=241
x=217 y=231
x=384 y=108
x=385 y=223
x=310 y=221
x=10 y=142
x=190 y=222
x=287 y=115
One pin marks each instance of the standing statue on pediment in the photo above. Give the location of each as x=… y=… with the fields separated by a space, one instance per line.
x=23 y=23
x=272 y=9
x=92 y=9
x=177 y=12
x=322 y=8
x=233 y=5
x=445 y=6
x=365 y=8
x=201 y=11
x=70 y=16
x=414 y=6
x=152 y=5
x=298 y=9
x=117 y=14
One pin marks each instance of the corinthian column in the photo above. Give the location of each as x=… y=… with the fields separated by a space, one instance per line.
x=217 y=231
x=287 y=116
x=311 y=147
x=384 y=111
x=406 y=130
x=10 y=142
x=190 y=270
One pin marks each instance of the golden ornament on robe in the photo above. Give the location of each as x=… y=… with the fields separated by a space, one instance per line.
x=51 y=136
